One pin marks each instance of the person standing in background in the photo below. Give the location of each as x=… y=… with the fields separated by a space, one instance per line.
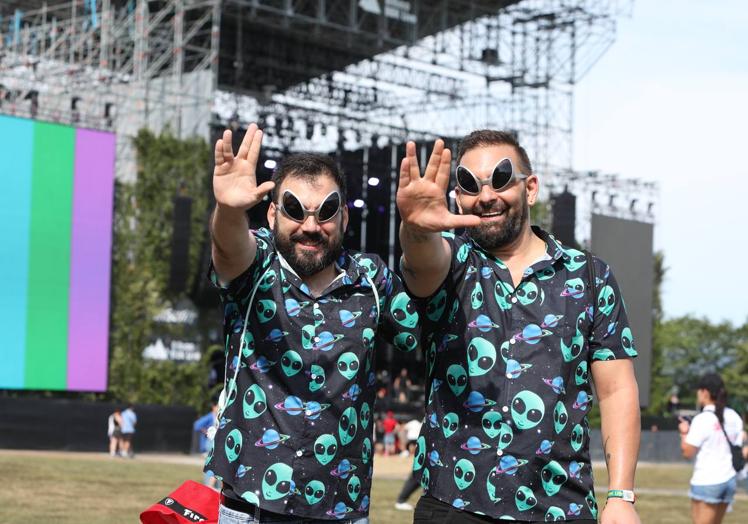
x=202 y=425
x=114 y=431
x=129 y=421
x=707 y=438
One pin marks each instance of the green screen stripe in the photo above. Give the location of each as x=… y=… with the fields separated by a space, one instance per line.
x=49 y=256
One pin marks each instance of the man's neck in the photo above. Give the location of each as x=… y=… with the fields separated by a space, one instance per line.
x=319 y=281
x=520 y=253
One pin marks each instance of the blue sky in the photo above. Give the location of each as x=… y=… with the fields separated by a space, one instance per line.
x=669 y=102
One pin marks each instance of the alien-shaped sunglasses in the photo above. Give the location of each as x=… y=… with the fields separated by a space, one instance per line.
x=292 y=207
x=502 y=176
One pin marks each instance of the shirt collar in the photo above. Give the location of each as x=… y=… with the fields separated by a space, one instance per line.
x=553 y=247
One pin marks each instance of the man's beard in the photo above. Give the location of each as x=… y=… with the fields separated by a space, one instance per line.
x=492 y=236
x=308 y=264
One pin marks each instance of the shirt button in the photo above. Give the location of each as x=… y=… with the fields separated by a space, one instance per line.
x=314 y=376
x=316 y=339
x=500 y=452
x=512 y=340
x=508 y=375
x=514 y=300
x=505 y=409
x=299 y=453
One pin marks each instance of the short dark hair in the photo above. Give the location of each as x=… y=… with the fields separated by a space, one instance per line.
x=307 y=166
x=490 y=137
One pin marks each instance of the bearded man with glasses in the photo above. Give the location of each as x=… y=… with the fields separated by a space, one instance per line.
x=301 y=314
x=515 y=325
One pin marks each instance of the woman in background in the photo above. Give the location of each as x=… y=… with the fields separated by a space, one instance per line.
x=713 y=481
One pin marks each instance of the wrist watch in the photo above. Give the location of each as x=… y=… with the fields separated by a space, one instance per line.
x=625 y=494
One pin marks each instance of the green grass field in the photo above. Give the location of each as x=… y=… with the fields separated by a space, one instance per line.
x=42 y=488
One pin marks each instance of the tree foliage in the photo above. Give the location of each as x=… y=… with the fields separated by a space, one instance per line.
x=144 y=212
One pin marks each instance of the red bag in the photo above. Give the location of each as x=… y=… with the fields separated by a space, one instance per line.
x=190 y=502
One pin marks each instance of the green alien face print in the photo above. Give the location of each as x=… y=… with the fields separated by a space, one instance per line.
x=291 y=363
x=325 y=448
x=581 y=374
x=405 y=342
x=435 y=307
x=453 y=311
x=456 y=379
x=307 y=337
x=573 y=349
x=231 y=391
x=347 y=426
x=354 y=487
x=481 y=355
x=524 y=498
x=592 y=504
x=314 y=492
x=248 y=344
x=255 y=402
x=233 y=445
x=576 y=259
x=316 y=377
x=366 y=451
x=546 y=273
x=555 y=514
x=464 y=473
x=265 y=310
x=502 y=290
x=277 y=482
x=504 y=350
x=368 y=338
x=268 y=280
x=603 y=354
x=462 y=253
x=574 y=288
x=491 y=423
x=553 y=477
x=420 y=457
x=560 y=417
x=403 y=310
x=606 y=300
x=527 y=409
x=577 y=437
x=365 y=415
x=528 y=293
x=506 y=434
x=348 y=365
x=449 y=424
x=425 y=477
x=476 y=297
x=369 y=265
x=627 y=341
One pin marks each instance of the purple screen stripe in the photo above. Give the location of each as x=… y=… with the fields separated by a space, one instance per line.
x=90 y=264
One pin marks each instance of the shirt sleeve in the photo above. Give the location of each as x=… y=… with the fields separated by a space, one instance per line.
x=399 y=313
x=240 y=287
x=611 y=336
x=699 y=430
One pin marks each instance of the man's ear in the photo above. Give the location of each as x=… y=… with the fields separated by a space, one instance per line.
x=272 y=210
x=457 y=199
x=532 y=187
x=345 y=217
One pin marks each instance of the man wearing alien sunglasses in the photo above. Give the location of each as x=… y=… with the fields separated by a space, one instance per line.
x=516 y=325
x=301 y=315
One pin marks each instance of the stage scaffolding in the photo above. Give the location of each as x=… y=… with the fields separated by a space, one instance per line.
x=329 y=75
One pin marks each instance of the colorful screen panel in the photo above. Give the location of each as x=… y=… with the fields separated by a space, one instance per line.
x=56 y=211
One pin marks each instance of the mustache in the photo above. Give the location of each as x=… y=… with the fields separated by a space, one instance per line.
x=308 y=238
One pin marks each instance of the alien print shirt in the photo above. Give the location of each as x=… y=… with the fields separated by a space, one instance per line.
x=506 y=432
x=295 y=436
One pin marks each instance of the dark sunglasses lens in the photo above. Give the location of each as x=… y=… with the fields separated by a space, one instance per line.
x=502 y=174
x=293 y=207
x=467 y=181
x=329 y=207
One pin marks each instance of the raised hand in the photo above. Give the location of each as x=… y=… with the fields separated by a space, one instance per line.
x=234 y=181
x=422 y=200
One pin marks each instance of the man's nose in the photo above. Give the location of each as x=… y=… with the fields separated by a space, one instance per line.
x=487 y=195
x=310 y=224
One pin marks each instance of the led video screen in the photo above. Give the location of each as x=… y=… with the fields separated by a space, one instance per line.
x=56 y=211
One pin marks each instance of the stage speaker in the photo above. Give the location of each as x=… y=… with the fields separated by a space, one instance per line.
x=180 y=244
x=564 y=210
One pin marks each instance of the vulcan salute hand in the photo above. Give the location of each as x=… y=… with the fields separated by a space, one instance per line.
x=234 y=181
x=421 y=200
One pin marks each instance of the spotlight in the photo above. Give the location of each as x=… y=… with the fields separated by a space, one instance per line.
x=358 y=203
x=270 y=163
x=373 y=181
x=452 y=194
